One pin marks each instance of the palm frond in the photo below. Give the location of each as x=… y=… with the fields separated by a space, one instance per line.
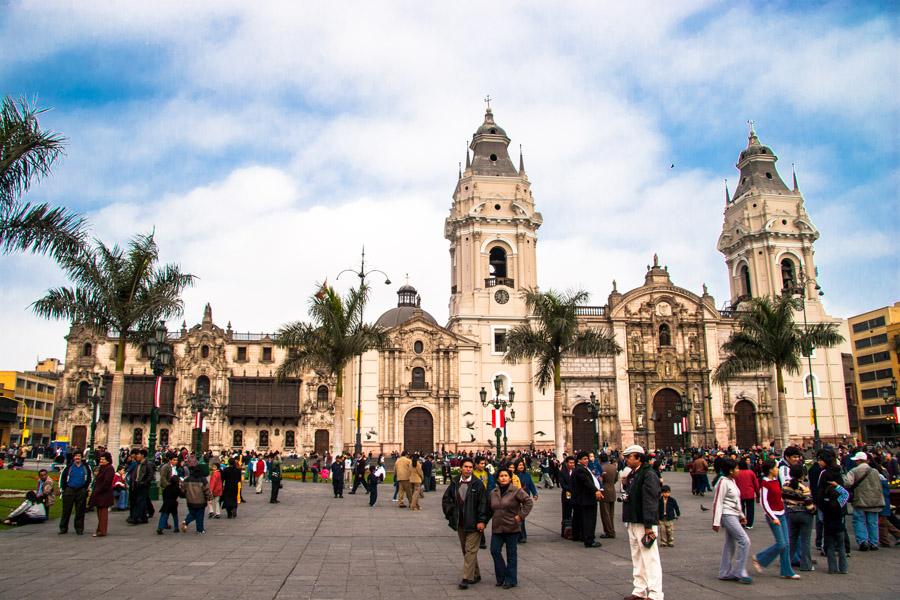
x=27 y=152
x=42 y=230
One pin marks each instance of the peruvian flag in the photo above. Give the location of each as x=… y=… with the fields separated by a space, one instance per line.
x=198 y=421
x=498 y=417
x=156 y=391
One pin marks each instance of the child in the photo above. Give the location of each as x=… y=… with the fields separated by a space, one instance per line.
x=668 y=514
x=373 y=481
x=170 y=495
x=120 y=490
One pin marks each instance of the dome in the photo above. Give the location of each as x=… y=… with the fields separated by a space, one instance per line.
x=400 y=315
x=489 y=127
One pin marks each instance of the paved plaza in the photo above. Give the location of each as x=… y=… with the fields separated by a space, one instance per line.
x=313 y=546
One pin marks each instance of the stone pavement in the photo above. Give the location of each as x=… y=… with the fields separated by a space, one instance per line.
x=313 y=546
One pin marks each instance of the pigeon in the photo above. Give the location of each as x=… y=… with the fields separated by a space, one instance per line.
x=468 y=413
x=470 y=424
x=541 y=433
x=473 y=437
x=703 y=508
x=491 y=443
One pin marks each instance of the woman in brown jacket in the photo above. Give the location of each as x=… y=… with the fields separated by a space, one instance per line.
x=416 y=477
x=510 y=506
x=102 y=496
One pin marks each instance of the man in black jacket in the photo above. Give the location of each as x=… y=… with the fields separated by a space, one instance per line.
x=566 y=497
x=465 y=505
x=640 y=512
x=587 y=493
x=141 y=477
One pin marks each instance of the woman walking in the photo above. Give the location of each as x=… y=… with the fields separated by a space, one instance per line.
x=728 y=514
x=510 y=506
x=748 y=484
x=773 y=505
x=798 y=503
x=215 y=488
x=102 y=497
x=416 y=477
x=231 y=480
x=527 y=483
x=831 y=501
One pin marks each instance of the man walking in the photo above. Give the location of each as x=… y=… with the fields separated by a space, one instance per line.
x=868 y=500
x=587 y=493
x=640 y=512
x=337 y=477
x=259 y=471
x=74 y=483
x=465 y=505
x=402 y=472
x=565 y=483
x=608 y=479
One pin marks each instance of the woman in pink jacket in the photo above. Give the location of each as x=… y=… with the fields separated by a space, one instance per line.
x=215 y=488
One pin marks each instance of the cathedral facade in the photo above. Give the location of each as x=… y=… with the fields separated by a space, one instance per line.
x=423 y=390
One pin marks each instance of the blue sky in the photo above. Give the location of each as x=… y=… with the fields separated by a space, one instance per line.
x=266 y=145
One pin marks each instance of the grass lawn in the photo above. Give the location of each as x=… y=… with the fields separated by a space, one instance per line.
x=21 y=480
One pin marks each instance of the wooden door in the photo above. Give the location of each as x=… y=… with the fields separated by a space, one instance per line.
x=745 y=424
x=79 y=437
x=321 y=442
x=583 y=437
x=418 y=431
x=664 y=418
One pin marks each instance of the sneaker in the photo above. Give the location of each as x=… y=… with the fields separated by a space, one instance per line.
x=745 y=580
x=159 y=532
x=183 y=527
x=749 y=527
x=863 y=547
x=873 y=547
x=211 y=515
x=794 y=576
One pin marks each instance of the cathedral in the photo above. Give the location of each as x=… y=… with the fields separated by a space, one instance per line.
x=424 y=390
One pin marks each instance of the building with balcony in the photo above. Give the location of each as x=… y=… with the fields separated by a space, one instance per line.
x=875 y=343
x=34 y=393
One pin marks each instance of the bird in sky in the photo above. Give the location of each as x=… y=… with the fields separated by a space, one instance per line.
x=540 y=433
x=467 y=413
x=473 y=438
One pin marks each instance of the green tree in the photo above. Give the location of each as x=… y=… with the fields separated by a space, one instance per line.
x=768 y=337
x=27 y=154
x=120 y=290
x=553 y=334
x=333 y=336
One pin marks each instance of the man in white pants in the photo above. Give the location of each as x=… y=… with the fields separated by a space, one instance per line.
x=640 y=512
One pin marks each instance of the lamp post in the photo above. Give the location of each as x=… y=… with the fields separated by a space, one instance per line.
x=799 y=289
x=681 y=407
x=96 y=392
x=199 y=402
x=362 y=274
x=890 y=397
x=500 y=405
x=160 y=353
x=594 y=415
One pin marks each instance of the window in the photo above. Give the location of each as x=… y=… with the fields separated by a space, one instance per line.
x=322 y=397
x=237 y=438
x=745 y=279
x=500 y=340
x=418 y=378
x=867 y=325
x=242 y=354
x=137 y=438
x=143 y=353
x=868 y=359
x=204 y=351
x=115 y=351
x=497 y=262
x=264 y=438
x=665 y=336
x=873 y=375
x=84 y=392
x=289 y=440
x=267 y=354
x=418 y=347
x=871 y=341
x=20 y=383
x=202 y=386
x=788 y=277
x=87 y=349
x=810 y=385
x=163 y=438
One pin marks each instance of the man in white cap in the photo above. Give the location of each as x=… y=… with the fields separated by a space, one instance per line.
x=640 y=512
x=868 y=500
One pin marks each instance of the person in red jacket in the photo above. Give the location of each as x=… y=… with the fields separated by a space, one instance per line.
x=748 y=484
x=215 y=488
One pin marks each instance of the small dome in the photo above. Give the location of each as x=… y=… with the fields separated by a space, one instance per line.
x=489 y=127
x=400 y=315
x=407 y=289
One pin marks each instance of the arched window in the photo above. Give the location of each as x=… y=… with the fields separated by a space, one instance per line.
x=163 y=438
x=745 y=279
x=418 y=378
x=84 y=392
x=137 y=438
x=289 y=440
x=788 y=277
x=204 y=351
x=203 y=385
x=418 y=347
x=264 y=439
x=497 y=262
x=87 y=349
x=665 y=336
x=237 y=438
x=322 y=397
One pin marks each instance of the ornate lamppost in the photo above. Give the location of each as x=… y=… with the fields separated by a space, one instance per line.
x=160 y=353
x=362 y=274
x=96 y=392
x=682 y=407
x=500 y=405
x=594 y=415
x=199 y=402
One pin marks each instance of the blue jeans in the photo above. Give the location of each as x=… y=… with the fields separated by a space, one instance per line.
x=164 y=520
x=801 y=524
x=121 y=498
x=505 y=572
x=833 y=543
x=781 y=548
x=196 y=514
x=865 y=527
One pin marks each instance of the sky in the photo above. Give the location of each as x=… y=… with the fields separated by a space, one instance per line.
x=266 y=144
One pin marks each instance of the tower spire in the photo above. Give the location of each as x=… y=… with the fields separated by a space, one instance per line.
x=521 y=162
x=727 y=196
x=752 y=139
x=460 y=170
x=468 y=162
x=794 y=172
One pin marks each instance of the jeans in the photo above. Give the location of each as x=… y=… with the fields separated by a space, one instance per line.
x=196 y=514
x=121 y=495
x=801 y=524
x=834 y=550
x=749 y=510
x=865 y=527
x=505 y=571
x=781 y=548
x=164 y=520
x=736 y=549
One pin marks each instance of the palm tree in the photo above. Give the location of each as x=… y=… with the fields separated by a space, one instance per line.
x=334 y=335
x=121 y=290
x=768 y=337
x=553 y=334
x=27 y=153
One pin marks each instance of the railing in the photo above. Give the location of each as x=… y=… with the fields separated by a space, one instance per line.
x=419 y=385
x=249 y=337
x=590 y=311
x=495 y=281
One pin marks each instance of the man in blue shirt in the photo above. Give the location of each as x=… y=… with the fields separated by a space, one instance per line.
x=74 y=483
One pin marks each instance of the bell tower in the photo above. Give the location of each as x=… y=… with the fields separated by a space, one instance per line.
x=492 y=229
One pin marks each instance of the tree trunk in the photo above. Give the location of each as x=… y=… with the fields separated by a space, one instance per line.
x=783 y=428
x=558 y=420
x=338 y=443
x=116 y=396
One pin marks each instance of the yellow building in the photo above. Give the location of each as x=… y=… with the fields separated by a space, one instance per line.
x=8 y=413
x=874 y=336
x=35 y=394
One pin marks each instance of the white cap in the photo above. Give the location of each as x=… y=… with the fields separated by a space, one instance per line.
x=860 y=456
x=633 y=449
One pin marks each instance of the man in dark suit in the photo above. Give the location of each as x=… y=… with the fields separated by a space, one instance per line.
x=565 y=483
x=587 y=493
x=337 y=476
x=608 y=504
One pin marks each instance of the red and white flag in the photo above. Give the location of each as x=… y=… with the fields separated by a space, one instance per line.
x=198 y=421
x=498 y=418
x=156 y=391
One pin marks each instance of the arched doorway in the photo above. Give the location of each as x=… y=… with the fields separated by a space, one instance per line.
x=583 y=437
x=745 y=424
x=79 y=437
x=321 y=442
x=664 y=418
x=418 y=431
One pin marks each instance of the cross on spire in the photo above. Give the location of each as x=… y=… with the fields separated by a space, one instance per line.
x=487 y=100
x=752 y=125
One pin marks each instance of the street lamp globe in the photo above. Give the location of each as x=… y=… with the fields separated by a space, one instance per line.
x=483 y=394
x=512 y=395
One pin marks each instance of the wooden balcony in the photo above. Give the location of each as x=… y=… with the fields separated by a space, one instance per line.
x=490 y=282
